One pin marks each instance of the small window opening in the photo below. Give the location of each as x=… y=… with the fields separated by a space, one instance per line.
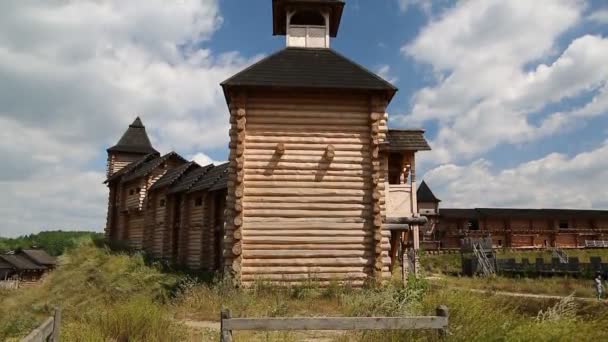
x=545 y=243
x=563 y=224
x=308 y=18
x=499 y=243
x=137 y=190
x=162 y=203
x=198 y=201
x=473 y=224
x=131 y=192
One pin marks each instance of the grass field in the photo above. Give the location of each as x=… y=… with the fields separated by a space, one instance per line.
x=117 y=297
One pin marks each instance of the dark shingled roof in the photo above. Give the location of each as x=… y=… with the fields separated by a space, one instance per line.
x=131 y=167
x=222 y=182
x=407 y=139
x=523 y=213
x=189 y=179
x=309 y=68
x=5 y=265
x=134 y=140
x=149 y=166
x=424 y=194
x=39 y=256
x=211 y=178
x=21 y=262
x=173 y=175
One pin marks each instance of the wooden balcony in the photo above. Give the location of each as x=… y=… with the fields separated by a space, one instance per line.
x=399 y=200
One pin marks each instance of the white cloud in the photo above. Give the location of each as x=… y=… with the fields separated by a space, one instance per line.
x=425 y=5
x=384 y=71
x=74 y=74
x=554 y=181
x=202 y=159
x=485 y=94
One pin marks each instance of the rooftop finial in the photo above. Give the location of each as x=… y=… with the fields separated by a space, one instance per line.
x=137 y=123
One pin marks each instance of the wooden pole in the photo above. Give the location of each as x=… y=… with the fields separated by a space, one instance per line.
x=226 y=335
x=442 y=311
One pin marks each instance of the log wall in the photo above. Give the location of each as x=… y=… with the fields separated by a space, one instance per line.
x=308 y=185
x=159 y=212
x=117 y=161
x=195 y=231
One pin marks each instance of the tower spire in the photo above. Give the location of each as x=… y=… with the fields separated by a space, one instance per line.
x=134 y=140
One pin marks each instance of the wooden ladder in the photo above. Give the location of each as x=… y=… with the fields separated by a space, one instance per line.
x=482 y=258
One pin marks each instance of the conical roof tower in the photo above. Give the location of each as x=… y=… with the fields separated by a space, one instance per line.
x=134 y=140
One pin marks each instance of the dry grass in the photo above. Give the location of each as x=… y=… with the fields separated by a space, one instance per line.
x=117 y=297
x=557 y=286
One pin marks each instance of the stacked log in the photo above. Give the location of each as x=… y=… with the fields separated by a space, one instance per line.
x=377 y=137
x=312 y=207
x=117 y=161
x=233 y=213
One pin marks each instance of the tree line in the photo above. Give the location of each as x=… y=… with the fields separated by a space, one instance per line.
x=53 y=242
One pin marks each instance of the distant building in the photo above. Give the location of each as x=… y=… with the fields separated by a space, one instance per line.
x=25 y=265
x=38 y=256
x=511 y=227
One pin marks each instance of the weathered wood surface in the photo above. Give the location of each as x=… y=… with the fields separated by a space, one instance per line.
x=438 y=322
x=47 y=331
x=337 y=323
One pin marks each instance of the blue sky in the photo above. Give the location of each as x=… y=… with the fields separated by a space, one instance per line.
x=513 y=94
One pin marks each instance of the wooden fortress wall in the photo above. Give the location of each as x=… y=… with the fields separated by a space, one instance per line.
x=526 y=233
x=306 y=188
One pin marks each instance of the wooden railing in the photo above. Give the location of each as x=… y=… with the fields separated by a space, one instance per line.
x=47 y=331
x=596 y=244
x=438 y=322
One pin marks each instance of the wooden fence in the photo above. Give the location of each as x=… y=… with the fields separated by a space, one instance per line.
x=438 y=322
x=9 y=284
x=47 y=331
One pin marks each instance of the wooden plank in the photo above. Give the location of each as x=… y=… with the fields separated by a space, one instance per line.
x=56 y=325
x=41 y=333
x=336 y=323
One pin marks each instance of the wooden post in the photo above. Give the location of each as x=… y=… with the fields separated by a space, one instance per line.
x=56 y=325
x=403 y=255
x=226 y=335
x=442 y=311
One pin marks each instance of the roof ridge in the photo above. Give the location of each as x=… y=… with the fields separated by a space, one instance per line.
x=365 y=69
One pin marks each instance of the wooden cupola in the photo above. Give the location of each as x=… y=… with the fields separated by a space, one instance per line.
x=307 y=23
